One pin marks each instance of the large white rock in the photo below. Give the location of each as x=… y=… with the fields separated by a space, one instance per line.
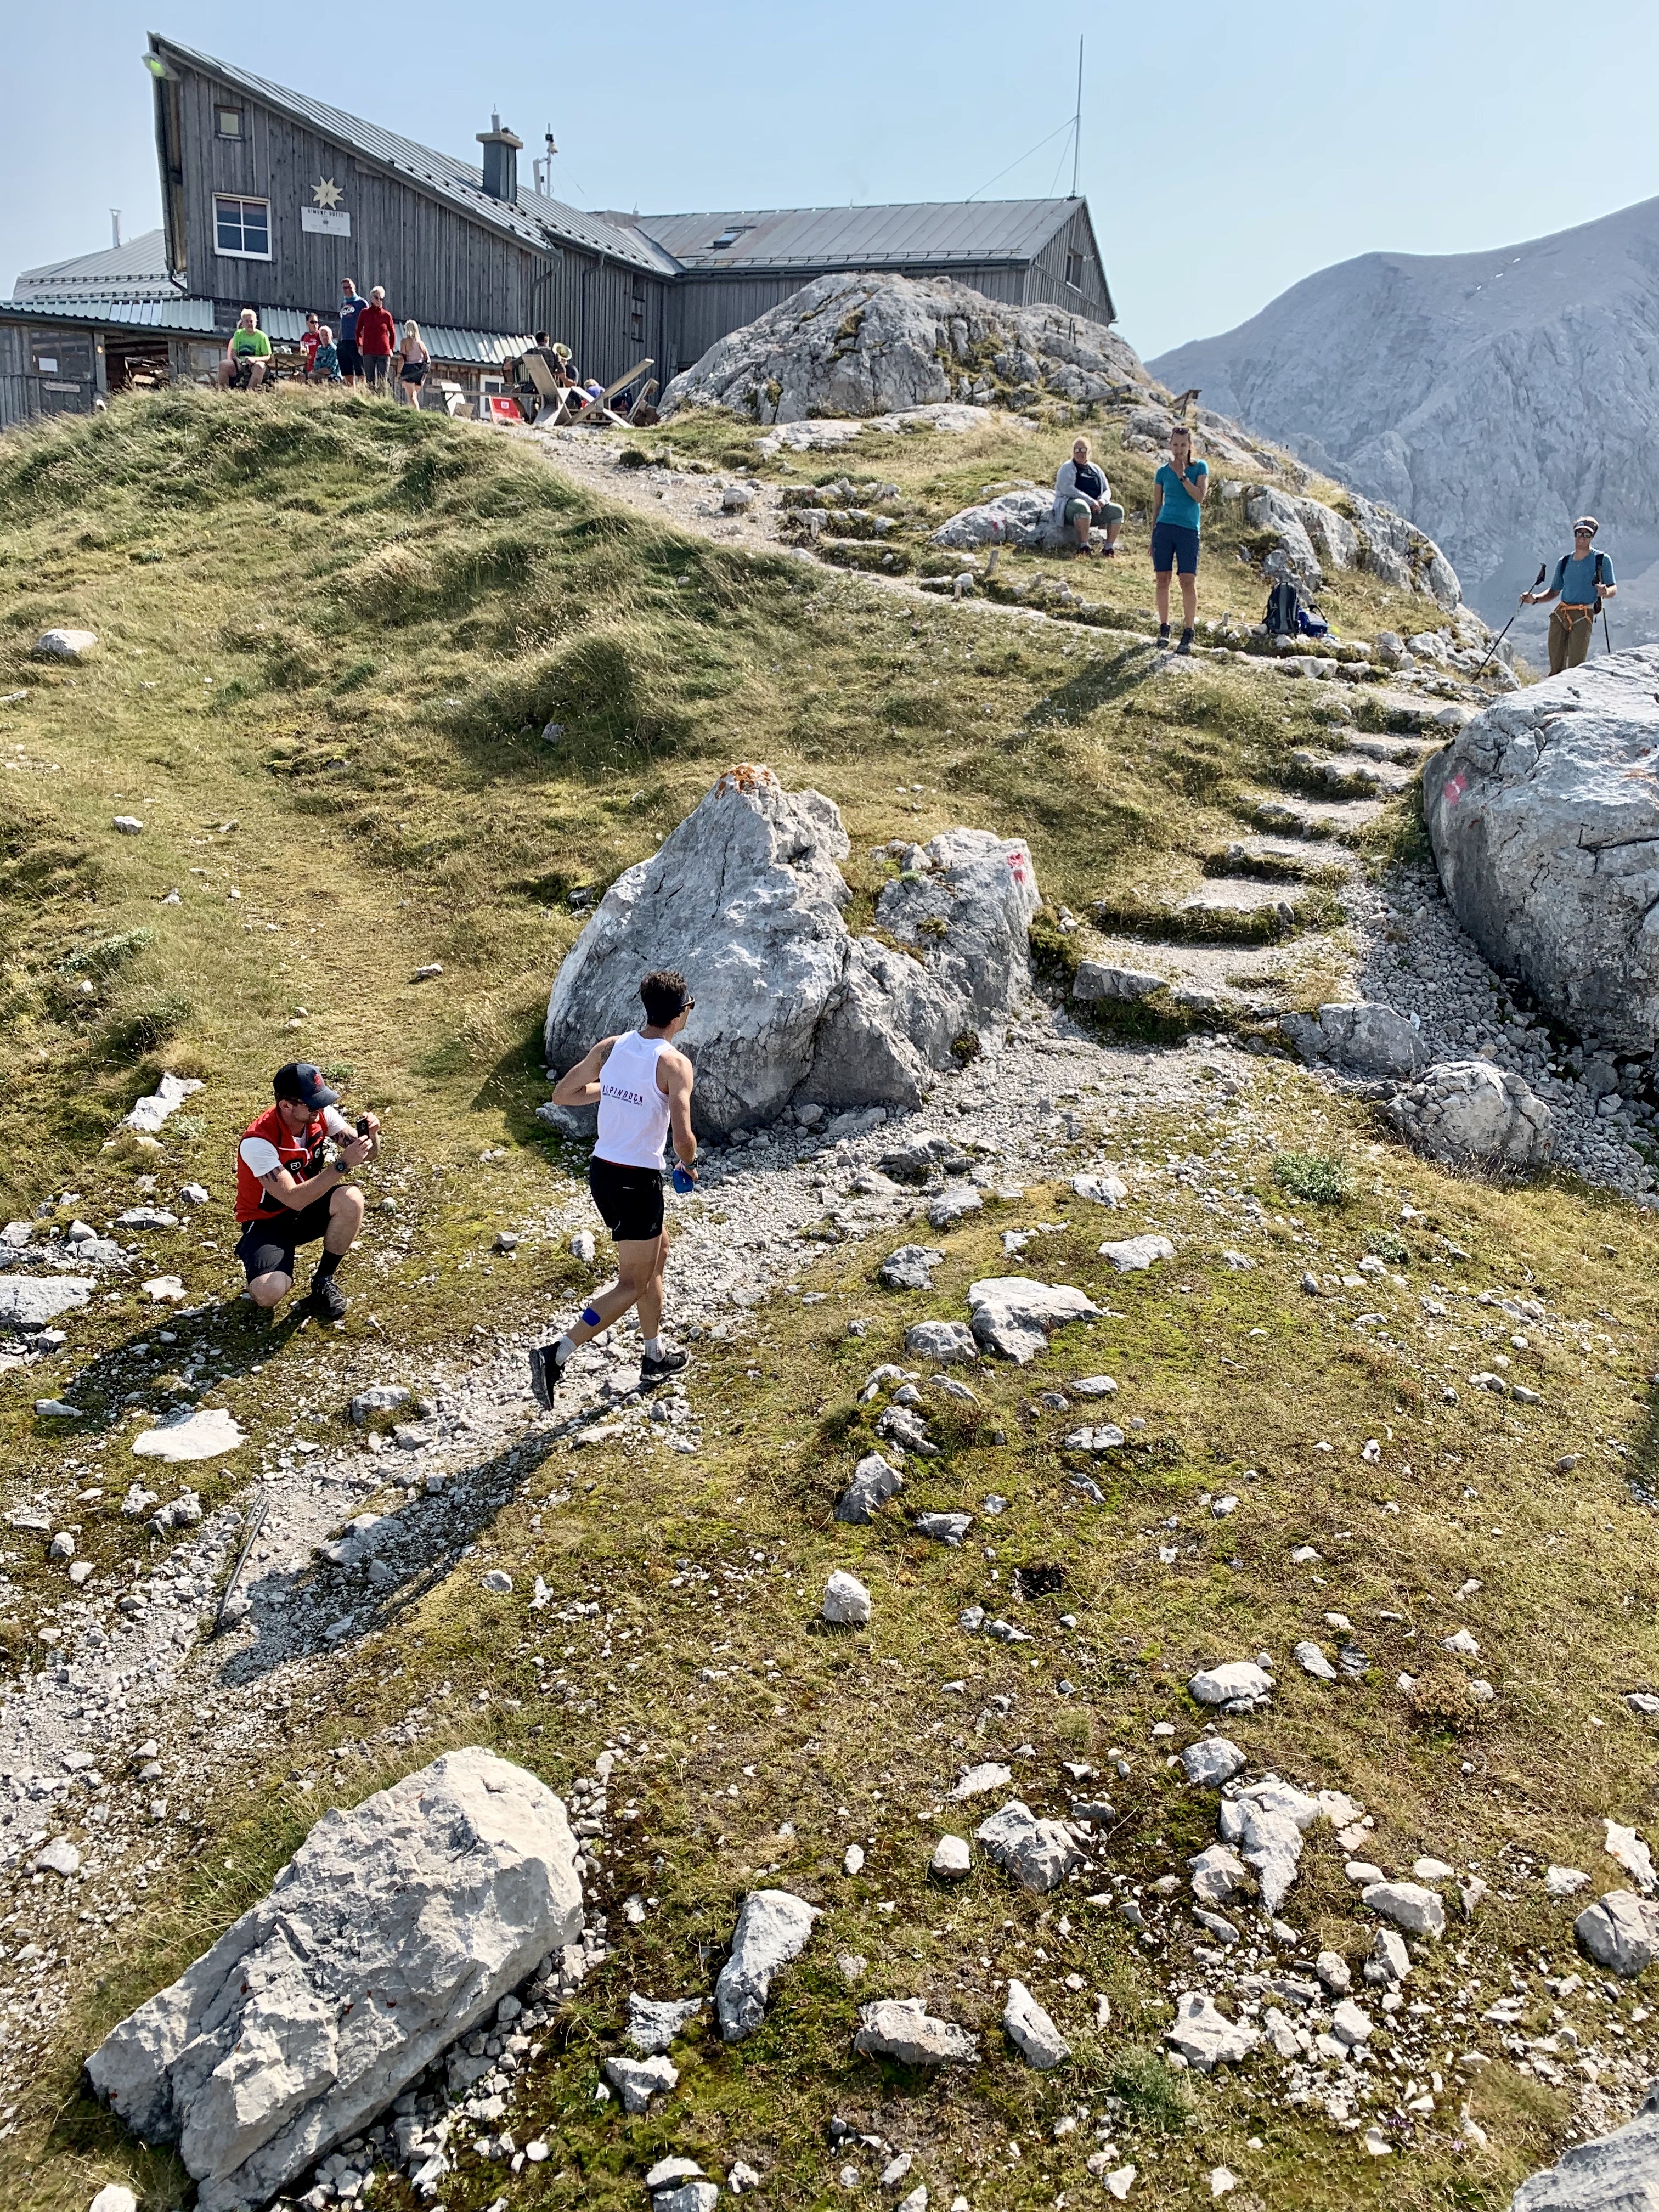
x=1544 y=816
x=1037 y=1853
x=1013 y=1315
x=745 y=899
x=1235 y=1679
x=393 y=1929
x=1468 y=1110
x=1408 y=1905
x=206 y=1434
x=1030 y=2030
x=869 y=344
x=32 y=1301
x=1620 y=1932
x=1618 y=2173
x=1205 y=2036
x=1212 y=1760
x=901 y=2028
x=1371 y=1039
x=773 y=1928
x=64 y=644
x=149 y=1113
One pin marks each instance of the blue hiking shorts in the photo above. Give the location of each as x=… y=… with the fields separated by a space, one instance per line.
x=1174 y=547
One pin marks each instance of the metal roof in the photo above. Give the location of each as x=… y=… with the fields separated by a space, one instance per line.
x=136 y=269
x=206 y=318
x=533 y=219
x=918 y=231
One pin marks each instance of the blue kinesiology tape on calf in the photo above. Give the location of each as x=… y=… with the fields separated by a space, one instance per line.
x=591 y=1316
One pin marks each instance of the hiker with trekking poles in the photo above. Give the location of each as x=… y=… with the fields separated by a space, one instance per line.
x=1583 y=582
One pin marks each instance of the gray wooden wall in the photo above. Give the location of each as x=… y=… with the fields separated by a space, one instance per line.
x=1046 y=281
x=434 y=263
x=46 y=370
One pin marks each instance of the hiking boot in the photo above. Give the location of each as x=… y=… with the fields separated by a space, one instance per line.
x=547 y=1371
x=653 y=1371
x=1164 y=633
x=329 y=1299
x=1186 y=644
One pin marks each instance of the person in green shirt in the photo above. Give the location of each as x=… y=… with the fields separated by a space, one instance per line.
x=250 y=345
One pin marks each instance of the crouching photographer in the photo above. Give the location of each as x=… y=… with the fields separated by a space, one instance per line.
x=287 y=1194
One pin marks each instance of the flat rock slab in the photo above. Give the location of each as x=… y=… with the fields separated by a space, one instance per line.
x=1206 y=2038
x=905 y=2030
x=1408 y=1905
x=1013 y=1315
x=1236 y=1679
x=32 y=1301
x=773 y=1928
x=1132 y=1254
x=1618 y=2173
x=1342 y=819
x=911 y=1267
x=394 y=1929
x=653 y=2022
x=149 y=1113
x=207 y=1434
x=1344 y=770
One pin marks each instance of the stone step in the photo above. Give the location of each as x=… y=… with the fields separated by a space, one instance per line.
x=1252 y=981
x=1350 y=772
x=1340 y=819
x=1404 y=752
x=1277 y=859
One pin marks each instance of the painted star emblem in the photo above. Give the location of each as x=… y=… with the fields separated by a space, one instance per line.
x=326 y=194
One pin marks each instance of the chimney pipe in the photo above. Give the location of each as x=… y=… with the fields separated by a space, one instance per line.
x=115 y=226
x=501 y=161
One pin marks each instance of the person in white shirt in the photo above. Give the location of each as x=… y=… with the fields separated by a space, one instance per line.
x=288 y=1194
x=643 y=1088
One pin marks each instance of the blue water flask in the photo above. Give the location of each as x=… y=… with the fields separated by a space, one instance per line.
x=682 y=1180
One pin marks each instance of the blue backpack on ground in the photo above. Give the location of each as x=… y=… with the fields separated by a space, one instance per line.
x=1311 y=622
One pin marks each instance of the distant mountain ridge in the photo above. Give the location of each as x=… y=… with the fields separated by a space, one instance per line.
x=1490 y=397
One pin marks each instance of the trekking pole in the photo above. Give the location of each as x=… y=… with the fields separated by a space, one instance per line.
x=1607 y=635
x=1504 y=632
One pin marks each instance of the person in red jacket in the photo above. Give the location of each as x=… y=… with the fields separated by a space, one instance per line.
x=287 y=1195
x=377 y=334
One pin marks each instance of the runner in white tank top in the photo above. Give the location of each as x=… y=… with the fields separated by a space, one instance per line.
x=633 y=1104
x=643 y=1088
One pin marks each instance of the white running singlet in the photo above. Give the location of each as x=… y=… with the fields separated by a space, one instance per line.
x=633 y=1108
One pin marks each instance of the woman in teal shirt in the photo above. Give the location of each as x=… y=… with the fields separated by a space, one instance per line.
x=1178 y=490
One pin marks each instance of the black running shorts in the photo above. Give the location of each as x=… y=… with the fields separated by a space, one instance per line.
x=630 y=1200
x=267 y=1247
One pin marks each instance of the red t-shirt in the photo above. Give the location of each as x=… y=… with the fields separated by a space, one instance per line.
x=268 y=1143
x=309 y=342
x=376 y=331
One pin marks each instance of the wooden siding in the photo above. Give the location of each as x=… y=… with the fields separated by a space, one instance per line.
x=48 y=370
x=436 y=263
x=1046 y=279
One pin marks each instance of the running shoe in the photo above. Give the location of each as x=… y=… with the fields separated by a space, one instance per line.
x=653 y=1371
x=1186 y=644
x=329 y=1299
x=1163 y=633
x=547 y=1371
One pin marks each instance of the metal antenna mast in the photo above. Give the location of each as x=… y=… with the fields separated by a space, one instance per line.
x=1077 y=120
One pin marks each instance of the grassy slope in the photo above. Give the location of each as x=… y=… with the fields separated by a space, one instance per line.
x=460 y=569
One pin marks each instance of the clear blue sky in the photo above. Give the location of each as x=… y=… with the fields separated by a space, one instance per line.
x=1227 y=149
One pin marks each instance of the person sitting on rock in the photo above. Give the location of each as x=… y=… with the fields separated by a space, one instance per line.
x=287 y=1195
x=643 y=1088
x=1083 y=497
x=1178 y=490
x=1583 y=579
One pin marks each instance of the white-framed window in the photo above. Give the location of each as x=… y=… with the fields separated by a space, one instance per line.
x=242 y=228
x=228 y=123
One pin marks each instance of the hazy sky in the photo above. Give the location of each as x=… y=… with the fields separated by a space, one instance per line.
x=1227 y=150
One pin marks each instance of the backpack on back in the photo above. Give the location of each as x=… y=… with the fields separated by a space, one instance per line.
x=1283 y=608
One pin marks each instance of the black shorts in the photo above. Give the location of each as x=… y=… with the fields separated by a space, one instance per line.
x=375 y=366
x=1175 y=545
x=267 y=1247
x=629 y=1201
x=351 y=362
x=412 y=372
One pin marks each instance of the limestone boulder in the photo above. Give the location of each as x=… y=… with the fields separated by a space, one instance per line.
x=1013 y=1315
x=1037 y=1853
x=905 y=2030
x=1620 y=1932
x=1367 y=1037
x=394 y=1929
x=1544 y=817
x=1469 y=1110
x=1013 y=517
x=745 y=897
x=1616 y=2173
x=869 y=343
